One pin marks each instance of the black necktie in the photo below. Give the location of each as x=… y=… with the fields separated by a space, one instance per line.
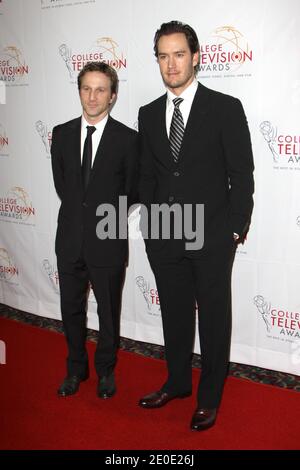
x=87 y=157
x=176 y=129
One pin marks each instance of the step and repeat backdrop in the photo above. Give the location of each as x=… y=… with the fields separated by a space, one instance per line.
x=249 y=49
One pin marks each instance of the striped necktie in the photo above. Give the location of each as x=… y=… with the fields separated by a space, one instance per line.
x=176 y=129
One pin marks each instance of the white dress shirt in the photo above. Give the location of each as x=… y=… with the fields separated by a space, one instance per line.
x=185 y=107
x=96 y=136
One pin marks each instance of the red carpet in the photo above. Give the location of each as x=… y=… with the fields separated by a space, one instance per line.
x=252 y=416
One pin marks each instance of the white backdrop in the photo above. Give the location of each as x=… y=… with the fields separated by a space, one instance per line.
x=250 y=49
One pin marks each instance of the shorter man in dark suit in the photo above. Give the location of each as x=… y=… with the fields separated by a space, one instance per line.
x=196 y=150
x=94 y=160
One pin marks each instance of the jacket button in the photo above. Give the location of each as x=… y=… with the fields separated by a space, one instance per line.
x=176 y=173
x=85 y=204
x=171 y=198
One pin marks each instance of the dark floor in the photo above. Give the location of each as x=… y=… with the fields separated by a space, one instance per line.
x=256 y=374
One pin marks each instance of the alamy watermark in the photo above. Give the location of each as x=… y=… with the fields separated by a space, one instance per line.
x=159 y=222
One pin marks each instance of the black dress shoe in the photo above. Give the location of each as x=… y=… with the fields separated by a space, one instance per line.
x=203 y=419
x=159 y=399
x=70 y=385
x=106 y=386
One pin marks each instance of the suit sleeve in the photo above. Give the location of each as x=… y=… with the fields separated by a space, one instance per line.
x=131 y=168
x=57 y=162
x=239 y=162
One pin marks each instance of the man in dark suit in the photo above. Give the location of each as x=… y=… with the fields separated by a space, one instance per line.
x=196 y=150
x=94 y=160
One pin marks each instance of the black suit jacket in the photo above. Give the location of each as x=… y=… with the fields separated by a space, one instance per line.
x=114 y=174
x=215 y=168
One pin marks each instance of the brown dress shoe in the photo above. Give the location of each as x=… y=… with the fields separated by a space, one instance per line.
x=159 y=399
x=203 y=419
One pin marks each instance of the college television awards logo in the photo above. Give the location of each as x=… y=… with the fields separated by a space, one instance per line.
x=225 y=54
x=17 y=207
x=104 y=49
x=282 y=323
x=45 y=136
x=51 y=271
x=3 y=142
x=8 y=269
x=13 y=67
x=284 y=148
x=149 y=294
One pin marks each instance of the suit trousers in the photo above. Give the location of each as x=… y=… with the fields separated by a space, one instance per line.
x=75 y=279
x=207 y=281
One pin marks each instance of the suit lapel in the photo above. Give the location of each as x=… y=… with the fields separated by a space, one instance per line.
x=104 y=146
x=160 y=130
x=199 y=110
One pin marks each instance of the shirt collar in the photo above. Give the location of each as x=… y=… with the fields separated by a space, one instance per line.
x=188 y=94
x=99 y=125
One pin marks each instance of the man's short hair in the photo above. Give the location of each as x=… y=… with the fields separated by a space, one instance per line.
x=178 y=27
x=103 y=68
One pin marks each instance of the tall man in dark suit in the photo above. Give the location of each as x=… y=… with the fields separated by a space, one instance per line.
x=94 y=161
x=196 y=149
